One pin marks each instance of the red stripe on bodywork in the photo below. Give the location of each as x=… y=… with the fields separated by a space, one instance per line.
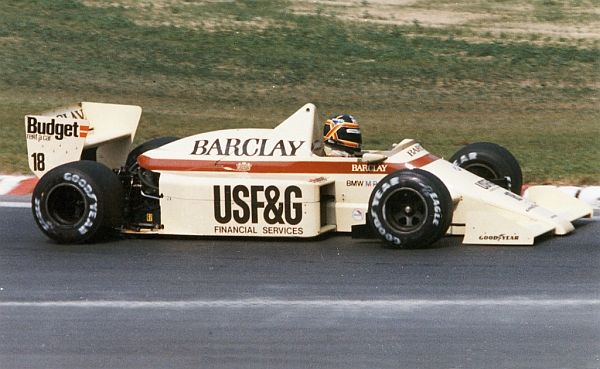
x=316 y=167
x=83 y=131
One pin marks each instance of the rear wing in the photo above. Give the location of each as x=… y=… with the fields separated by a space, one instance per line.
x=96 y=131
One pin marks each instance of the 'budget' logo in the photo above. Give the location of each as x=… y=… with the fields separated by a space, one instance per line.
x=56 y=129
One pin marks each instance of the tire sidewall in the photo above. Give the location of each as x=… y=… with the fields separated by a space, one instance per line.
x=434 y=194
x=493 y=156
x=147 y=146
x=95 y=186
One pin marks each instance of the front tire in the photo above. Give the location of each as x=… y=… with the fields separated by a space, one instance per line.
x=78 y=202
x=492 y=162
x=410 y=209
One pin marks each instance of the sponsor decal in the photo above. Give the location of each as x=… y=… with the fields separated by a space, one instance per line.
x=378 y=168
x=357 y=214
x=437 y=210
x=360 y=183
x=38 y=214
x=414 y=150
x=375 y=204
x=499 y=237
x=253 y=230
x=81 y=183
x=239 y=229
x=317 y=180
x=243 y=167
x=485 y=184
x=283 y=231
x=45 y=131
x=465 y=158
x=75 y=114
x=531 y=207
x=89 y=192
x=384 y=187
x=383 y=232
x=247 y=147
x=514 y=196
x=244 y=204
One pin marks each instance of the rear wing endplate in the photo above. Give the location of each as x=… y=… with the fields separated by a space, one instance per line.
x=64 y=135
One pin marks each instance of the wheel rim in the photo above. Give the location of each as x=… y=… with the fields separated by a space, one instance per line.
x=487 y=172
x=66 y=204
x=482 y=170
x=405 y=210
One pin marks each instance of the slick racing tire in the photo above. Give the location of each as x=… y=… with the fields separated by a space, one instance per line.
x=146 y=146
x=492 y=162
x=78 y=202
x=410 y=209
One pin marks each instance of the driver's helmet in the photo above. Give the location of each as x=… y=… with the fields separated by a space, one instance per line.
x=343 y=132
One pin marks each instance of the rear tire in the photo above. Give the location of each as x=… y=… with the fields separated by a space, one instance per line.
x=152 y=144
x=410 y=209
x=492 y=162
x=148 y=178
x=78 y=202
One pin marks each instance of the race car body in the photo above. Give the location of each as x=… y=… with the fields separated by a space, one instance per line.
x=279 y=183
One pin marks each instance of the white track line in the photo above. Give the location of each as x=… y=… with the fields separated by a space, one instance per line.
x=325 y=304
x=14 y=204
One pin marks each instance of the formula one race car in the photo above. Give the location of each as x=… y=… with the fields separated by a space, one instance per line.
x=274 y=183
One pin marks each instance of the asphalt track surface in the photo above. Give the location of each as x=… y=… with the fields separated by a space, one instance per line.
x=330 y=303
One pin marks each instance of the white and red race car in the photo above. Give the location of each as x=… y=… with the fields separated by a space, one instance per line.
x=274 y=183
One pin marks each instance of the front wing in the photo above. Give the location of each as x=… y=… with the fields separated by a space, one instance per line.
x=489 y=214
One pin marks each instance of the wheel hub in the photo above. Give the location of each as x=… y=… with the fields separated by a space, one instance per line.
x=406 y=210
x=66 y=204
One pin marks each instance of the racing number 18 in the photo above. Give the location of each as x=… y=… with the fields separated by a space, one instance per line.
x=38 y=161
